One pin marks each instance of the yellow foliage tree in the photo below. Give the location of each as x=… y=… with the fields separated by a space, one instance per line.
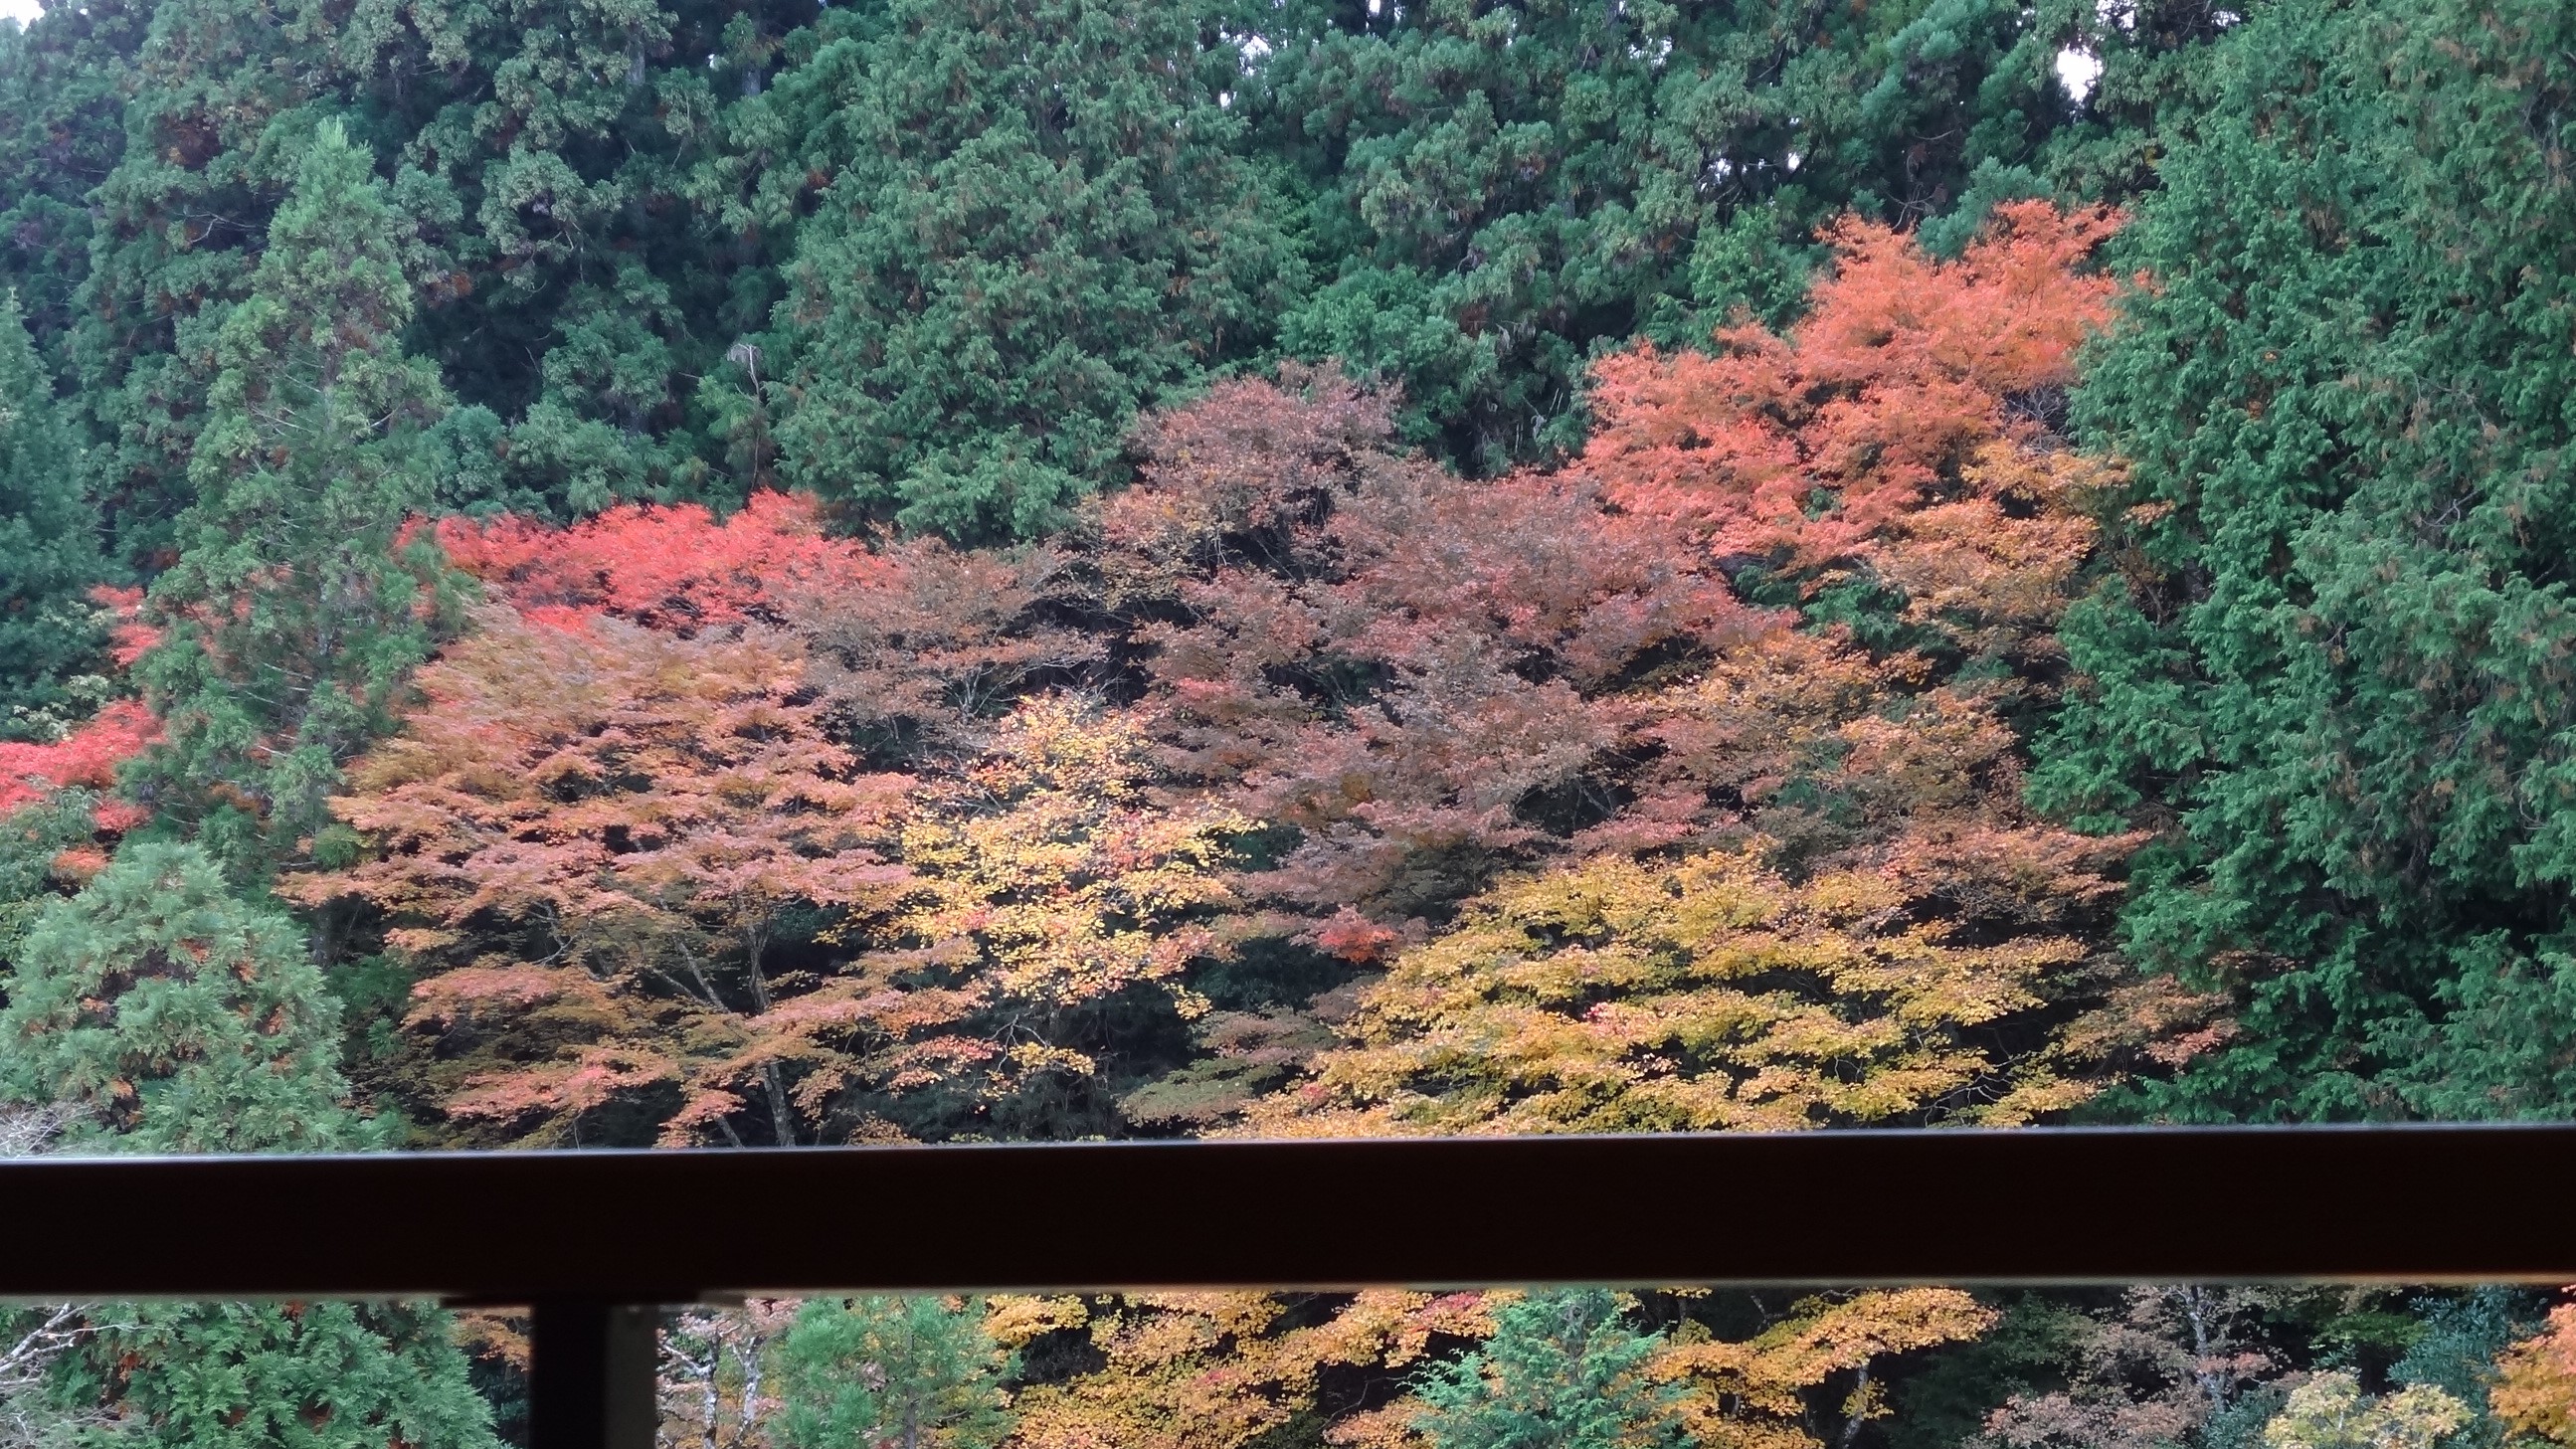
x=1219 y=1370
x=1709 y=994
x=2330 y=1411
x=1048 y=889
x=1752 y=1393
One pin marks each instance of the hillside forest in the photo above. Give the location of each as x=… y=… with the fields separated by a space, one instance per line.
x=704 y=574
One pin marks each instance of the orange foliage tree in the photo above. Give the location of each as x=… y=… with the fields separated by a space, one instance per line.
x=920 y=656
x=1424 y=678
x=2535 y=1388
x=587 y=842
x=84 y=758
x=915 y=646
x=583 y=844
x=1799 y=886
x=1904 y=426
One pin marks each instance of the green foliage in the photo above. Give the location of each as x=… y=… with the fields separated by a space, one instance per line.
x=215 y=119
x=164 y=1014
x=890 y=1373
x=2332 y=671
x=260 y=1375
x=174 y=1017
x=1562 y=1371
x=537 y=152
x=31 y=836
x=1039 y=222
x=1502 y=191
x=2157 y=83
x=48 y=536
x=62 y=129
x=2458 y=1341
x=931 y=259
x=294 y=610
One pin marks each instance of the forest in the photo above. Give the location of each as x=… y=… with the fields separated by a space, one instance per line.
x=707 y=574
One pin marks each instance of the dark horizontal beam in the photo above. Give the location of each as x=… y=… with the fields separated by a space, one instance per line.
x=2397 y=1204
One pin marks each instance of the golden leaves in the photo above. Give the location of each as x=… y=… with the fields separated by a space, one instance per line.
x=2535 y=1389
x=1751 y=1392
x=1710 y=993
x=1045 y=879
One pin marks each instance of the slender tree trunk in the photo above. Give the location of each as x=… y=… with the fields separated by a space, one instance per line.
x=749 y=1410
x=2196 y=1309
x=780 y=1112
x=1853 y=1421
x=782 y=1115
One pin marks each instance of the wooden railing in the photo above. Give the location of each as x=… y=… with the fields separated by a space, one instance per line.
x=591 y=1242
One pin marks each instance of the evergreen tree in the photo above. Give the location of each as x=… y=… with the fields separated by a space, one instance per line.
x=32 y=838
x=2155 y=85
x=1039 y=222
x=1502 y=191
x=581 y=280
x=48 y=537
x=63 y=85
x=216 y=105
x=890 y=1373
x=163 y=1014
x=2331 y=668
x=296 y=608
x=1562 y=1371
x=221 y=1037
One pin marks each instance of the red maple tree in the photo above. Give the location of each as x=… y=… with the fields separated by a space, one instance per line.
x=84 y=758
x=674 y=566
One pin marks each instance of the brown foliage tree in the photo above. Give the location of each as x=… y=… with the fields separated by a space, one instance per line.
x=1423 y=678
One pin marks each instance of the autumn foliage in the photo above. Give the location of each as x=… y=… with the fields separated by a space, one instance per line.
x=675 y=566
x=1045 y=891
x=1707 y=995
x=1893 y=429
x=86 y=758
x=1304 y=787
x=1667 y=860
x=1426 y=679
x=583 y=840
x=1809 y=893
x=2535 y=1392
x=737 y=576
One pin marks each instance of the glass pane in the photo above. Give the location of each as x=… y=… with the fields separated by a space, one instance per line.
x=789 y=576
x=1459 y=603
